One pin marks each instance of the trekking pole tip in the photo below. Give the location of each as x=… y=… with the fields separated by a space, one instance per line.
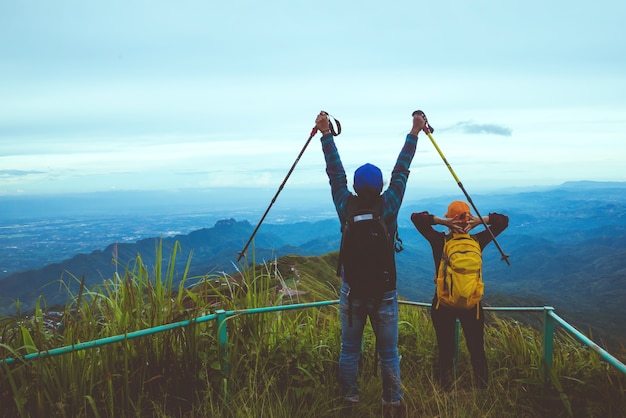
x=505 y=257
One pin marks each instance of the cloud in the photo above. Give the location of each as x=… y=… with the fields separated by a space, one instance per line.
x=480 y=128
x=18 y=173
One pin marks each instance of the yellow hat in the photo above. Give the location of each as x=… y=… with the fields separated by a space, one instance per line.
x=458 y=209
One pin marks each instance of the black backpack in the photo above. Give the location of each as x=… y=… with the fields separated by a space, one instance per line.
x=367 y=251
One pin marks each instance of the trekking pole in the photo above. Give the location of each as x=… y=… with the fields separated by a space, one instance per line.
x=429 y=130
x=313 y=132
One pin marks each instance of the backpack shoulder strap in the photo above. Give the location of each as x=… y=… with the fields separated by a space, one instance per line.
x=444 y=257
x=446 y=239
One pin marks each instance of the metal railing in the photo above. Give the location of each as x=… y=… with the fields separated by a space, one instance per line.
x=220 y=317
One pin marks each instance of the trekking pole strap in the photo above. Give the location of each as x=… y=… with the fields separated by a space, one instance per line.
x=334 y=131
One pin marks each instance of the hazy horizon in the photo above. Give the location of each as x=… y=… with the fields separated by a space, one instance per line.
x=243 y=204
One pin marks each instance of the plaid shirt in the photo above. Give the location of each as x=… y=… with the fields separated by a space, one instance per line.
x=392 y=197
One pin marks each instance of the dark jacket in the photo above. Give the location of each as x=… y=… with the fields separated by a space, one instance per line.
x=424 y=222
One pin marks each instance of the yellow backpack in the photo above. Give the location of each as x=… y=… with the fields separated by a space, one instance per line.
x=459 y=277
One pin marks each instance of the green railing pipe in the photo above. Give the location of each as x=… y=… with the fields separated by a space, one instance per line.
x=515 y=308
x=109 y=340
x=547 y=350
x=282 y=307
x=582 y=338
x=222 y=338
x=548 y=342
x=221 y=315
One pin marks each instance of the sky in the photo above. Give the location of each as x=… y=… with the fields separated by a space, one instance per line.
x=172 y=95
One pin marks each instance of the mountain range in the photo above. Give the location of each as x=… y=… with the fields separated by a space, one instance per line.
x=566 y=247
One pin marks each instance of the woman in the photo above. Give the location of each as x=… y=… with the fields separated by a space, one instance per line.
x=459 y=220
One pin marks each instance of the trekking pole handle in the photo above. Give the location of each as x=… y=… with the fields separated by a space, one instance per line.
x=334 y=131
x=427 y=128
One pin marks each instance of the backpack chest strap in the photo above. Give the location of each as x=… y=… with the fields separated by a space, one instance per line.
x=364 y=217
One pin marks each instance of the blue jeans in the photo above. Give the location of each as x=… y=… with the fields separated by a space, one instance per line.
x=384 y=321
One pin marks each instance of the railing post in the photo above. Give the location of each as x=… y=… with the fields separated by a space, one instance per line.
x=222 y=338
x=548 y=342
x=457 y=335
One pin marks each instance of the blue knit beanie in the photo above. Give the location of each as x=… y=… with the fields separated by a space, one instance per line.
x=368 y=175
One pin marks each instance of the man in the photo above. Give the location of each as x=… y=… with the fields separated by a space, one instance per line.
x=459 y=220
x=354 y=311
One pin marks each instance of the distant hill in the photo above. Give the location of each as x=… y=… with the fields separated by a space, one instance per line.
x=212 y=250
x=567 y=248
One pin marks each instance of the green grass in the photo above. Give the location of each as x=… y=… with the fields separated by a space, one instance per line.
x=281 y=364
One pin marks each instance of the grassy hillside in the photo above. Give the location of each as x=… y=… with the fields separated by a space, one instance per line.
x=278 y=364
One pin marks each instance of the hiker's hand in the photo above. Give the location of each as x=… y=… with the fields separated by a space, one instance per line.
x=418 y=124
x=473 y=222
x=322 y=123
x=458 y=227
x=454 y=225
